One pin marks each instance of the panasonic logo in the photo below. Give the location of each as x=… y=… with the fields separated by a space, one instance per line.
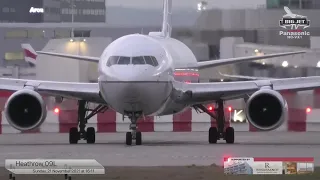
x=36 y=10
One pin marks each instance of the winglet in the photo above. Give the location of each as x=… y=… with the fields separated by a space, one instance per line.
x=30 y=55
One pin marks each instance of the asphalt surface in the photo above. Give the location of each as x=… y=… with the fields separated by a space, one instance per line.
x=161 y=149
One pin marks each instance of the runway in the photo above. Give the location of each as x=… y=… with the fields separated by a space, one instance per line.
x=161 y=149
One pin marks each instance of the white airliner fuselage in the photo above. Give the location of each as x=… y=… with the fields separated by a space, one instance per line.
x=143 y=87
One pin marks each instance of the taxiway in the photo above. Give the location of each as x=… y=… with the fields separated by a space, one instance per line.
x=161 y=149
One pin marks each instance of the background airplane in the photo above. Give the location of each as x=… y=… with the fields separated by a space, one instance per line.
x=30 y=54
x=290 y=14
x=137 y=79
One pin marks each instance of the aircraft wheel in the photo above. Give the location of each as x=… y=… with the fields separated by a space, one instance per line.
x=128 y=138
x=138 y=138
x=229 y=135
x=73 y=135
x=213 y=135
x=91 y=135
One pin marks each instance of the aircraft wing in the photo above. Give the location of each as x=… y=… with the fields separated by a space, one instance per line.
x=219 y=62
x=30 y=55
x=70 y=90
x=245 y=77
x=76 y=57
x=196 y=93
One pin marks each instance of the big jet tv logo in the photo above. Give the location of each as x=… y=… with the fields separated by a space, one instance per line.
x=295 y=25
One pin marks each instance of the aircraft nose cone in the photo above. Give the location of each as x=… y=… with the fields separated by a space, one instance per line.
x=134 y=73
x=131 y=92
x=132 y=81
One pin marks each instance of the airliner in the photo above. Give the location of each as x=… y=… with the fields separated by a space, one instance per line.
x=290 y=14
x=137 y=79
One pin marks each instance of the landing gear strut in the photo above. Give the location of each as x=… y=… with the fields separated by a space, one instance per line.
x=90 y=135
x=217 y=133
x=134 y=134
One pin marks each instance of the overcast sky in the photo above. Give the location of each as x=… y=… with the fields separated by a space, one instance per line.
x=225 y=4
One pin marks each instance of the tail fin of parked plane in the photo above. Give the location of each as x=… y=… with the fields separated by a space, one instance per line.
x=30 y=55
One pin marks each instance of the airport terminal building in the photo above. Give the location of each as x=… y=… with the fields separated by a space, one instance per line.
x=39 y=11
x=201 y=31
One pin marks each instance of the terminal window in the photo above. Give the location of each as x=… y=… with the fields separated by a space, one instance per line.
x=309 y=4
x=13 y=56
x=295 y=4
x=80 y=33
x=17 y=34
x=62 y=33
x=5 y=9
x=35 y=33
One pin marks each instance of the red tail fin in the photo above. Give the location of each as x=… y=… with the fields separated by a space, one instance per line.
x=30 y=55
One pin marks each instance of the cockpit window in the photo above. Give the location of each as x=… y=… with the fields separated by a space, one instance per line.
x=155 y=62
x=148 y=60
x=138 y=60
x=124 y=60
x=112 y=60
x=151 y=60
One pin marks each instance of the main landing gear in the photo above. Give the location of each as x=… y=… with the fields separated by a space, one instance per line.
x=217 y=133
x=90 y=135
x=134 y=134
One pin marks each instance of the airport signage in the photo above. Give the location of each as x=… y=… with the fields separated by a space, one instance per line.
x=295 y=25
x=36 y=10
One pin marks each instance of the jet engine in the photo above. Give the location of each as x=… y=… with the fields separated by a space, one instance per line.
x=266 y=109
x=25 y=110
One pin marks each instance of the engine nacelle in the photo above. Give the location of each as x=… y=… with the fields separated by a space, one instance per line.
x=25 y=110
x=266 y=109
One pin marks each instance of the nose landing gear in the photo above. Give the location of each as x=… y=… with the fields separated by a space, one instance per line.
x=219 y=132
x=134 y=134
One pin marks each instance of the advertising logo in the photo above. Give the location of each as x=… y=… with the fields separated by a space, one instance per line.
x=267 y=168
x=294 y=24
x=36 y=10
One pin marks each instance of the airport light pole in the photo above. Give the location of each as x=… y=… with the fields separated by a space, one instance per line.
x=72 y=17
x=202 y=5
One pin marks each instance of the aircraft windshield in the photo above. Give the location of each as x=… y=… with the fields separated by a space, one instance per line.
x=155 y=62
x=148 y=60
x=138 y=60
x=124 y=60
x=112 y=60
